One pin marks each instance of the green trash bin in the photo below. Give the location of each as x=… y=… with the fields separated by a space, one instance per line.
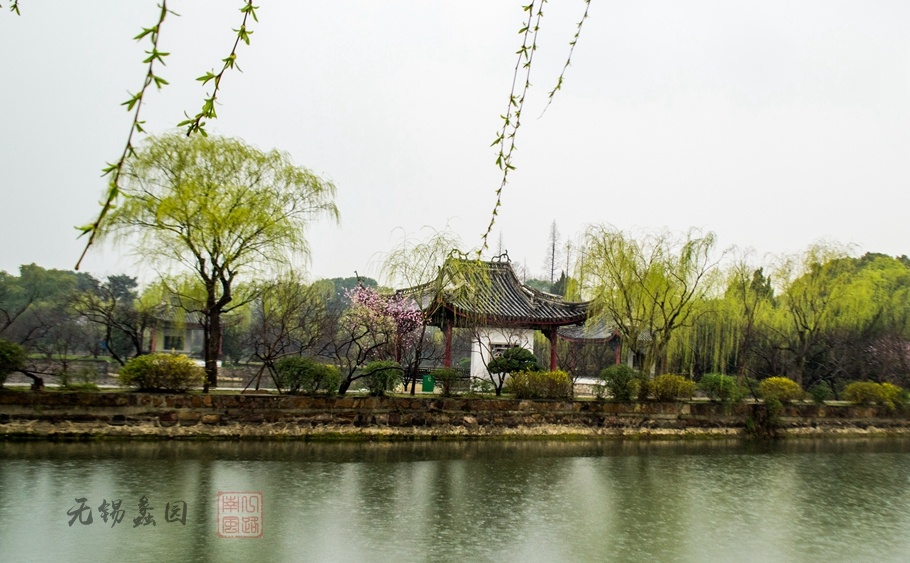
x=429 y=383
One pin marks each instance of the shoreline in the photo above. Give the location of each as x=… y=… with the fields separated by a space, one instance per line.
x=144 y=416
x=98 y=432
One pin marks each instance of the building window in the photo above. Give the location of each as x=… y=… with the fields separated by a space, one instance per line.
x=173 y=342
x=497 y=349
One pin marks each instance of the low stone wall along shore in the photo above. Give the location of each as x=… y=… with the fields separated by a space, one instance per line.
x=59 y=415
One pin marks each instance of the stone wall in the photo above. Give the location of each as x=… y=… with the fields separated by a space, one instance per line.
x=86 y=415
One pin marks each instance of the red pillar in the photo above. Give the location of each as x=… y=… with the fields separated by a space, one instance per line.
x=554 y=333
x=619 y=352
x=447 y=330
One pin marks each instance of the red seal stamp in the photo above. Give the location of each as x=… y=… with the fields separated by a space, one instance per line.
x=239 y=515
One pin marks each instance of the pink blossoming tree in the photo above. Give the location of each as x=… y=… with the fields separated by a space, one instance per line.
x=375 y=327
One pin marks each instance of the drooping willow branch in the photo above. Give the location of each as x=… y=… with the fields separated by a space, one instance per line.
x=568 y=62
x=134 y=104
x=505 y=139
x=196 y=124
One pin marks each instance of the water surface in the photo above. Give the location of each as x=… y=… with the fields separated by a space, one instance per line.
x=465 y=501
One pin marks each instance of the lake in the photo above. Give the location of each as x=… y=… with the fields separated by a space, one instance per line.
x=831 y=500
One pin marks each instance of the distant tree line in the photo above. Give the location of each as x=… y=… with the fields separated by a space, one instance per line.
x=820 y=318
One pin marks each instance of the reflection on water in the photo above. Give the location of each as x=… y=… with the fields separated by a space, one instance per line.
x=466 y=501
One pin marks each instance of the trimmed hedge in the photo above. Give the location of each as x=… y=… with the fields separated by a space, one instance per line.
x=781 y=389
x=670 y=387
x=540 y=385
x=868 y=392
x=162 y=372
x=297 y=374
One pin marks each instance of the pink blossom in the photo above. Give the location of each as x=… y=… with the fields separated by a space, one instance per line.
x=385 y=313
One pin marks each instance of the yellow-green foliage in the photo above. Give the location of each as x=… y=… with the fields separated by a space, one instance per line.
x=670 y=387
x=781 y=389
x=161 y=372
x=893 y=394
x=540 y=385
x=868 y=392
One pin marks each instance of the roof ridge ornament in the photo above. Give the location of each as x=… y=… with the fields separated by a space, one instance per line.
x=499 y=258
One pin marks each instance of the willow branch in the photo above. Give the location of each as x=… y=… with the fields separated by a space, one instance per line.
x=196 y=124
x=505 y=139
x=134 y=104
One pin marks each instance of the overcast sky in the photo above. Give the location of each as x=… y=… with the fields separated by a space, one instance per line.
x=774 y=124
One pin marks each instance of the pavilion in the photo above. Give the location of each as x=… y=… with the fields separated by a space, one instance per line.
x=488 y=298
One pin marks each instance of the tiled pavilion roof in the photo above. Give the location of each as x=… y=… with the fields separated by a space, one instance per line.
x=490 y=294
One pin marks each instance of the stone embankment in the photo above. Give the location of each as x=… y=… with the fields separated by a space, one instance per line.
x=59 y=415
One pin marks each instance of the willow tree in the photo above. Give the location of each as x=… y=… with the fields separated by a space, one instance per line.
x=645 y=287
x=816 y=297
x=740 y=318
x=839 y=310
x=220 y=209
x=416 y=262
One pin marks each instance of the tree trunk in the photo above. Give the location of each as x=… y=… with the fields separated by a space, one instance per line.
x=212 y=348
x=37 y=382
x=109 y=337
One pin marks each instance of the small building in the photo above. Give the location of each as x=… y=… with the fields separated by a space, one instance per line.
x=177 y=332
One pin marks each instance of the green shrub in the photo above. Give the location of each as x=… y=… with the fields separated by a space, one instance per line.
x=327 y=380
x=12 y=358
x=893 y=395
x=447 y=379
x=513 y=360
x=863 y=393
x=622 y=382
x=297 y=374
x=780 y=389
x=292 y=373
x=720 y=387
x=868 y=392
x=382 y=377
x=668 y=387
x=540 y=385
x=644 y=387
x=820 y=393
x=161 y=372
